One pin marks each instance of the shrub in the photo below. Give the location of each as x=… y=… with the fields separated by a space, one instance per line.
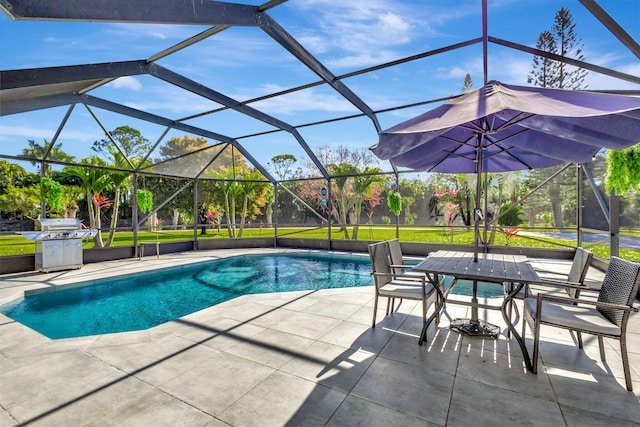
x=513 y=218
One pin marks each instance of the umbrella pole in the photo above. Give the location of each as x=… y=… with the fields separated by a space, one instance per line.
x=476 y=217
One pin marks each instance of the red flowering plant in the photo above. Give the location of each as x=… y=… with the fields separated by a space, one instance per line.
x=509 y=233
x=372 y=198
x=510 y=217
x=214 y=217
x=211 y=216
x=101 y=201
x=447 y=197
x=450 y=216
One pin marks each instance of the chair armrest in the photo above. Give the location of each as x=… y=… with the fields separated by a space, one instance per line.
x=560 y=284
x=405 y=266
x=566 y=284
x=539 y=270
x=575 y=301
x=403 y=277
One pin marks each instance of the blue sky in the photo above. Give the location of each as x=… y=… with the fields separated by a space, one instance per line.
x=345 y=36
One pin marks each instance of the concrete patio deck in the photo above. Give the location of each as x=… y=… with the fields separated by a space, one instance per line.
x=301 y=359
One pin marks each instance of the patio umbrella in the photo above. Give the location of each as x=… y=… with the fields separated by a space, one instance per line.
x=500 y=128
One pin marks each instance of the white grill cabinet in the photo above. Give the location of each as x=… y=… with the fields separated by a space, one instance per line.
x=58 y=243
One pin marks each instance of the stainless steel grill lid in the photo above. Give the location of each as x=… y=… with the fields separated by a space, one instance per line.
x=58 y=229
x=58 y=235
x=55 y=224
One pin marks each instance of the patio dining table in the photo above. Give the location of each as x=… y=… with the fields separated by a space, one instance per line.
x=490 y=267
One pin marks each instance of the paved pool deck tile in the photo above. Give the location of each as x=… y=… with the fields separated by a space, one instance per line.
x=307 y=358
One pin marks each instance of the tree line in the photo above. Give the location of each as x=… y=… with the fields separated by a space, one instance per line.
x=230 y=193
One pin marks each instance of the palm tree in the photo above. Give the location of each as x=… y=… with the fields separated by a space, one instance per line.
x=37 y=151
x=344 y=201
x=253 y=190
x=361 y=184
x=120 y=182
x=94 y=180
x=230 y=191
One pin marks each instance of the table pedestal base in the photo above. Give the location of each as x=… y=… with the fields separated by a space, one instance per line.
x=475 y=328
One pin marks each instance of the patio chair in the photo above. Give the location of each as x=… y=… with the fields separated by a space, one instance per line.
x=391 y=285
x=606 y=317
x=397 y=260
x=576 y=276
x=397 y=264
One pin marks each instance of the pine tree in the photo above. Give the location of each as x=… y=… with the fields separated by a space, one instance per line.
x=468 y=84
x=561 y=40
x=545 y=70
x=570 y=46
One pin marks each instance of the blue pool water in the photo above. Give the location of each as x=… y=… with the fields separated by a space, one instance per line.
x=144 y=300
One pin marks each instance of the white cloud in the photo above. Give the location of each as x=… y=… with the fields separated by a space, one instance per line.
x=511 y=69
x=151 y=31
x=633 y=69
x=360 y=33
x=169 y=101
x=393 y=25
x=597 y=81
x=314 y=43
x=613 y=60
x=355 y=32
x=26 y=131
x=307 y=100
x=37 y=133
x=127 y=82
x=157 y=35
x=514 y=67
x=452 y=72
x=240 y=48
x=362 y=59
x=366 y=34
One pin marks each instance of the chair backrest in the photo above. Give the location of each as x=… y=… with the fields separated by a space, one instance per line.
x=579 y=268
x=395 y=253
x=379 y=254
x=620 y=286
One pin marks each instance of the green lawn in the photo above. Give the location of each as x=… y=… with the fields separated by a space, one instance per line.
x=17 y=245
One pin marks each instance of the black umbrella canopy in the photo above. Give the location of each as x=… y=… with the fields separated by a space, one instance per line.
x=500 y=128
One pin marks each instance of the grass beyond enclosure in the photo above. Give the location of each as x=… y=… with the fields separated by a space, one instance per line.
x=18 y=245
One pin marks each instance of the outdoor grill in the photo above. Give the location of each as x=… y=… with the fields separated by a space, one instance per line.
x=58 y=243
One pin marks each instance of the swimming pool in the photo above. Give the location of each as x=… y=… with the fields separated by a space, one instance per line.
x=143 y=300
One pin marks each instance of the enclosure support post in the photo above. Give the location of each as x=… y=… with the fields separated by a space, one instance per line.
x=477 y=218
x=43 y=200
x=275 y=213
x=614 y=224
x=195 y=214
x=330 y=216
x=397 y=216
x=579 y=178
x=485 y=42
x=486 y=210
x=134 y=214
